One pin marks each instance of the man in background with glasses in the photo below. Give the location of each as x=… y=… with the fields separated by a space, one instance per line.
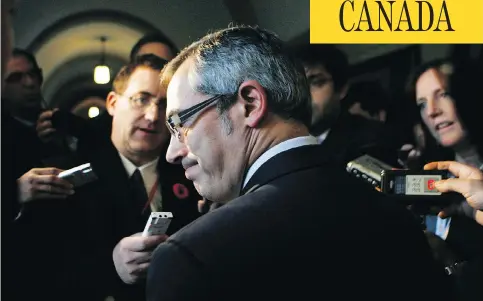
x=293 y=225
x=139 y=140
x=101 y=254
x=23 y=100
x=140 y=137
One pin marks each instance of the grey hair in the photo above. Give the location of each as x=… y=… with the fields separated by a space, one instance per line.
x=223 y=60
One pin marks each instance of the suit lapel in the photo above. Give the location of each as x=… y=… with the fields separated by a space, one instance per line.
x=336 y=139
x=173 y=185
x=114 y=185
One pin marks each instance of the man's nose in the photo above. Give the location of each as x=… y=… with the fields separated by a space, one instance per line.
x=28 y=80
x=152 y=113
x=176 y=151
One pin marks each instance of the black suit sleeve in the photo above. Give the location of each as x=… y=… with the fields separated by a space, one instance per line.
x=11 y=200
x=411 y=262
x=175 y=274
x=466 y=237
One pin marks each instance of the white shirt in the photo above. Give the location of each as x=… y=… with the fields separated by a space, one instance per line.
x=442 y=227
x=150 y=176
x=279 y=148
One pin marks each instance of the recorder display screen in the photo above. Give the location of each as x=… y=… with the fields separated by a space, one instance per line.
x=416 y=184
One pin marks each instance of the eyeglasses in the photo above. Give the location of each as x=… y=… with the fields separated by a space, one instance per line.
x=142 y=101
x=175 y=122
x=16 y=77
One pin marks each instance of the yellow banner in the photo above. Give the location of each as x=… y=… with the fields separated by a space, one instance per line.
x=396 y=21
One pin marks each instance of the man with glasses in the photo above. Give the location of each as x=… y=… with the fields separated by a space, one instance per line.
x=22 y=83
x=24 y=153
x=140 y=137
x=293 y=226
x=102 y=251
x=139 y=134
x=22 y=99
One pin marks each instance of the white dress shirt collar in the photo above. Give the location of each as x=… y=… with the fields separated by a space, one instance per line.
x=323 y=136
x=148 y=171
x=279 y=148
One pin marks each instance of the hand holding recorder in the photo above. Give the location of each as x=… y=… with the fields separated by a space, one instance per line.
x=415 y=188
x=79 y=175
x=132 y=256
x=469 y=183
x=43 y=183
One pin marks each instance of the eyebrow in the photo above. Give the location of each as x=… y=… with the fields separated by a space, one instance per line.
x=144 y=93
x=421 y=99
x=317 y=75
x=439 y=90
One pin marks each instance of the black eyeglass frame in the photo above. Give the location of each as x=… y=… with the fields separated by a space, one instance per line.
x=175 y=122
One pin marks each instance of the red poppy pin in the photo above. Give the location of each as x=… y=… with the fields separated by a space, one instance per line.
x=180 y=191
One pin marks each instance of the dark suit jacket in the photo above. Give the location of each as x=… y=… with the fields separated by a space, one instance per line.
x=465 y=238
x=353 y=136
x=10 y=206
x=86 y=227
x=22 y=150
x=301 y=230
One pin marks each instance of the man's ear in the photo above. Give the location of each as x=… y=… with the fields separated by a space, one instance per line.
x=111 y=102
x=254 y=102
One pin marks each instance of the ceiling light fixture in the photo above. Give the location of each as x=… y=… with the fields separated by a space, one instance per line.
x=102 y=73
x=93 y=112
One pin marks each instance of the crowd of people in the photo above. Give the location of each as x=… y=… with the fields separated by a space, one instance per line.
x=244 y=139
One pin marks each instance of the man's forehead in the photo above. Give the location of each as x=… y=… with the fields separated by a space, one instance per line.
x=19 y=63
x=316 y=70
x=157 y=48
x=180 y=92
x=143 y=78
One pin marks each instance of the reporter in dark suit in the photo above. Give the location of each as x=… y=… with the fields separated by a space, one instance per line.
x=293 y=226
x=100 y=252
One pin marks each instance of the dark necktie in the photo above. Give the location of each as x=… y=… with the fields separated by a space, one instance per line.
x=139 y=194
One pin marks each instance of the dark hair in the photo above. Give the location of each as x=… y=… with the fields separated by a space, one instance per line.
x=223 y=60
x=416 y=74
x=463 y=83
x=31 y=59
x=332 y=59
x=153 y=38
x=147 y=60
x=370 y=94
